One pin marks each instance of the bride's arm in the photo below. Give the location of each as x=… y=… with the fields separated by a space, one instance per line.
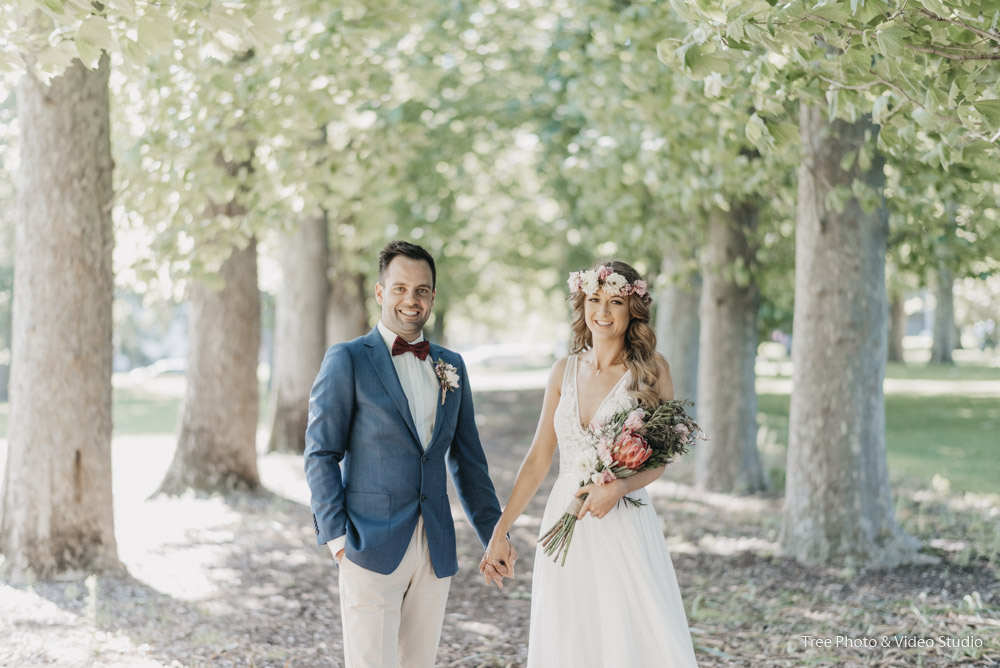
x=533 y=470
x=602 y=498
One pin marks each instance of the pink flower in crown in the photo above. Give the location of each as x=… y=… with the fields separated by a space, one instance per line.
x=634 y=420
x=603 y=477
x=575 y=282
x=604 y=271
x=639 y=287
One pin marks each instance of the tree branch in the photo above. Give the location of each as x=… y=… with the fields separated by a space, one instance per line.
x=953 y=56
x=982 y=33
x=902 y=92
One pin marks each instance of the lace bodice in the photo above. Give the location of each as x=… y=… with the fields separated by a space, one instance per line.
x=575 y=447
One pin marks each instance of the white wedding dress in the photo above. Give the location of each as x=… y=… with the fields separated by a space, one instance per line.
x=615 y=604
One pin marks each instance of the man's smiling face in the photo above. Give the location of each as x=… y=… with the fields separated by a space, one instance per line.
x=406 y=294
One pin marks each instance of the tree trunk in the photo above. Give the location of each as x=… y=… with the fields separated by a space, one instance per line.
x=216 y=447
x=300 y=333
x=347 y=309
x=57 y=511
x=729 y=460
x=897 y=326
x=437 y=332
x=838 y=505
x=678 y=325
x=944 y=315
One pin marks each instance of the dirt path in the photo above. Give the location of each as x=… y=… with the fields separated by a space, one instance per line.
x=240 y=582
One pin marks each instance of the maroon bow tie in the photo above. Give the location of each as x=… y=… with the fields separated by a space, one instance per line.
x=421 y=350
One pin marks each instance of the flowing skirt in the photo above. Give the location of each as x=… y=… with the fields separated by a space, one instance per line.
x=616 y=601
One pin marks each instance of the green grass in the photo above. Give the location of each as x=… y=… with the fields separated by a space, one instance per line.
x=953 y=436
x=137 y=412
x=947 y=435
x=942 y=372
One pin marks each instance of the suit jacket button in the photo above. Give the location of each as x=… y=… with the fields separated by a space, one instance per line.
x=424 y=459
x=423 y=497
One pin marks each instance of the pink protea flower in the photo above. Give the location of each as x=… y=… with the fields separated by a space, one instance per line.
x=603 y=477
x=604 y=271
x=631 y=451
x=639 y=287
x=634 y=420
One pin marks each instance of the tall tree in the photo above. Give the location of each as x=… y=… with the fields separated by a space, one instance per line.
x=730 y=299
x=677 y=324
x=346 y=307
x=300 y=332
x=890 y=62
x=216 y=448
x=56 y=501
x=838 y=505
x=897 y=325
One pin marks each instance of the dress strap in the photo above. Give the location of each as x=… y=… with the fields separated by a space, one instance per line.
x=569 y=376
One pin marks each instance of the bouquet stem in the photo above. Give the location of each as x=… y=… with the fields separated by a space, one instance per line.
x=557 y=539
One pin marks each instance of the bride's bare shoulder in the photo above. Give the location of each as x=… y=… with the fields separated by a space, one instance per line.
x=557 y=374
x=664 y=383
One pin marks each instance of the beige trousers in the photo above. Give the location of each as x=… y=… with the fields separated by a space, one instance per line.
x=394 y=620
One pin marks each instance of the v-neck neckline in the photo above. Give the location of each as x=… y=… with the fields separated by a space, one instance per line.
x=576 y=381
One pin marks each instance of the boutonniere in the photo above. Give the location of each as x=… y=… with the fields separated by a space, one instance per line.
x=447 y=377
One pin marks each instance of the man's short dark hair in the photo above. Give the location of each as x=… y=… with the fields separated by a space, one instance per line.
x=396 y=248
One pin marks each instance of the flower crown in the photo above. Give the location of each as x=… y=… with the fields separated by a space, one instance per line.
x=605 y=278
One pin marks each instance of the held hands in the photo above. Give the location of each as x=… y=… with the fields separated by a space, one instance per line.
x=498 y=561
x=600 y=498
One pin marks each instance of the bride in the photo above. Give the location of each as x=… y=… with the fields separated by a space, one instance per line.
x=615 y=602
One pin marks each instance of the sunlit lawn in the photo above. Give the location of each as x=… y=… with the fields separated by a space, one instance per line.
x=949 y=435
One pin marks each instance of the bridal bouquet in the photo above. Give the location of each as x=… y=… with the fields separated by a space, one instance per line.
x=631 y=440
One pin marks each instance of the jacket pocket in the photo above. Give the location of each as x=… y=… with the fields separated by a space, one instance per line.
x=368 y=514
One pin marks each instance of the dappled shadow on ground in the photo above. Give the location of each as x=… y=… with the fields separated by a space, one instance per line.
x=240 y=581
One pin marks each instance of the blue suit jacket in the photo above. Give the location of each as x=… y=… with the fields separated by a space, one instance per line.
x=368 y=474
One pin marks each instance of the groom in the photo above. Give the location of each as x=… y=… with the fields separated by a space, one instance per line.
x=384 y=419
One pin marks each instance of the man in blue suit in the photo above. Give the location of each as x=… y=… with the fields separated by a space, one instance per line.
x=387 y=412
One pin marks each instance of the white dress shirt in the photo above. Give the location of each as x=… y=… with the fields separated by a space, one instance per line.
x=423 y=393
x=420 y=385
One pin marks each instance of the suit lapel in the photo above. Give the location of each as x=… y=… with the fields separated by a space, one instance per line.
x=382 y=361
x=451 y=399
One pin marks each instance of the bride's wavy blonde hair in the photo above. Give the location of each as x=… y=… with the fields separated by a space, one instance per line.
x=640 y=339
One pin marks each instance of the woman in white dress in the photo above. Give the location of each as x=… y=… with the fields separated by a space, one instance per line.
x=615 y=602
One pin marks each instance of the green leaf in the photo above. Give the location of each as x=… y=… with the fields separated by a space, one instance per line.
x=784 y=133
x=953 y=94
x=990 y=109
x=155 y=33
x=700 y=61
x=754 y=128
x=92 y=38
x=891 y=40
x=880 y=108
